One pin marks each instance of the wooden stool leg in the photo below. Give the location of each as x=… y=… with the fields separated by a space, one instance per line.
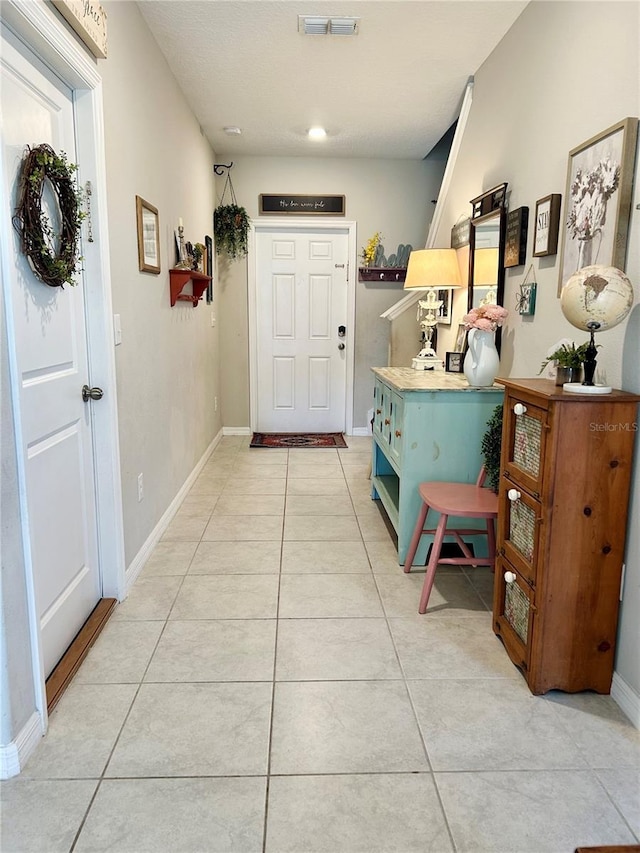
x=415 y=539
x=433 y=563
x=491 y=539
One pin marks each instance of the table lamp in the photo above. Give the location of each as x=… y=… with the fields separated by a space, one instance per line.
x=430 y=270
x=594 y=299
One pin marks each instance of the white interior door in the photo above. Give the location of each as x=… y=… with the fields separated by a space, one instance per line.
x=47 y=326
x=301 y=303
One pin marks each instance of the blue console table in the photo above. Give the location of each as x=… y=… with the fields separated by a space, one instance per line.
x=428 y=425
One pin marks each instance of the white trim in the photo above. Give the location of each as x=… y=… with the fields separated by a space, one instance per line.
x=14 y=755
x=286 y=224
x=363 y=431
x=626 y=698
x=45 y=34
x=411 y=298
x=236 y=430
x=137 y=564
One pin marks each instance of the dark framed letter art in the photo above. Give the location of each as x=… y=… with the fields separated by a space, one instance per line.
x=547 y=223
x=454 y=362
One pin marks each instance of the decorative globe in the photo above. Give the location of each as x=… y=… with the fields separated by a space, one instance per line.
x=597 y=298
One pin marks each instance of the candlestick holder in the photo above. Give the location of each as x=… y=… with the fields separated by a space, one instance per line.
x=183 y=260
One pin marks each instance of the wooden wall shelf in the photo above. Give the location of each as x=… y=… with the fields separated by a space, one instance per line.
x=383 y=274
x=179 y=278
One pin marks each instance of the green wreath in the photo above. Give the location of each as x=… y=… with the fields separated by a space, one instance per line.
x=52 y=257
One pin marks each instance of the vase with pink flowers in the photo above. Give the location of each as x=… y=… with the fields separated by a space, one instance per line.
x=481 y=363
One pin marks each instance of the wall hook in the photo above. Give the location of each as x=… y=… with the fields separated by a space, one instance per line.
x=218 y=167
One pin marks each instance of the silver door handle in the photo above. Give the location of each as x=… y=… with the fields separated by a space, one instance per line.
x=340 y=346
x=91 y=393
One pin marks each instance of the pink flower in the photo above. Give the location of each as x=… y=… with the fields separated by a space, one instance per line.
x=487 y=318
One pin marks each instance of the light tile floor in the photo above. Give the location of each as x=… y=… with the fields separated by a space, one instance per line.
x=269 y=686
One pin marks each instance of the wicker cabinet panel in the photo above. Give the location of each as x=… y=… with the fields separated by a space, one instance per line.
x=513 y=612
x=519 y=524
x=525 y=433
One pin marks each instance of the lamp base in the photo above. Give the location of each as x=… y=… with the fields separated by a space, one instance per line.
x=421 y=362
x=579 y=388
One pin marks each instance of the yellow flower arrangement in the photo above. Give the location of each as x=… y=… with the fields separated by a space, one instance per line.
x=369 y=252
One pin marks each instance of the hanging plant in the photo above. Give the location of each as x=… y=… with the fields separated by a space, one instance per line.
x=230 y=226
x=52 y=257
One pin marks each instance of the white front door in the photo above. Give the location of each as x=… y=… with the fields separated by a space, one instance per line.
x=301 y=305
x=47 y=326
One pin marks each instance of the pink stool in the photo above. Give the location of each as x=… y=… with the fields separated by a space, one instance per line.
x=457 y=499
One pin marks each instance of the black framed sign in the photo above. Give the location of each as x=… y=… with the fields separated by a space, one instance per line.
x=515 y=250
x=303 y=205
x=546 y=226
x=454 y=362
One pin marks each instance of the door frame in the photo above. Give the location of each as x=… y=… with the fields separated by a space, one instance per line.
x=40 y=29
x=297 y=225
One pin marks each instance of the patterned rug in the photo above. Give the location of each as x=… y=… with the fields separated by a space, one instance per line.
x=300 y=439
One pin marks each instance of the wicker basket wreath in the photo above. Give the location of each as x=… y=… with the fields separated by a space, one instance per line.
x=53 y=257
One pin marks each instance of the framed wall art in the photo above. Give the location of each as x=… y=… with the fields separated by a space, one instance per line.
x=515 y=250
x=598 y=200
x=454 y=362
x=444 y=311
x=148 y=236
x=546 y=225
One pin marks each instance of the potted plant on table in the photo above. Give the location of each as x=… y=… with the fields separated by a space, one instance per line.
x=568 y=359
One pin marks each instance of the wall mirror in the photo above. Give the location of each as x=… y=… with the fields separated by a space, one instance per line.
x=487 y=234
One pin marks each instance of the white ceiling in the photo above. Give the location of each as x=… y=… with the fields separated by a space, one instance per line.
x=389 y=92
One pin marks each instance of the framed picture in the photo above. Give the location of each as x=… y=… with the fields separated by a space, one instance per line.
x=148 y=236
x=461 y=338
x=515 y=250
x=208 y=242
x=444 y=312
x=598 y=200
x=526 y=299
x=547 y=224
x=454 y=362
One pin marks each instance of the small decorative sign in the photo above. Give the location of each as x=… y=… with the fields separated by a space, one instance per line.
x=545 y=241
x=460 y=234
x=303 y=205
x=515 y=250
x=89 y=20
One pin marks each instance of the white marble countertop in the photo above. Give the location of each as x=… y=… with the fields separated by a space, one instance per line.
x=408 y=379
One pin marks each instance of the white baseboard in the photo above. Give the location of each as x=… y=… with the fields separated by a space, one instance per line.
x=236 y=431
x=14 y=755
x=363 y=431
x=626 y=697
x=137 y=564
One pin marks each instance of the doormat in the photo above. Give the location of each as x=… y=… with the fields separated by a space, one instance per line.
x=298 y=439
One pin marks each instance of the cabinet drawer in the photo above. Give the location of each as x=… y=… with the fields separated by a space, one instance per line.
x=513 y=612
x=526 y=435
x=519 y=522
x=396 y=411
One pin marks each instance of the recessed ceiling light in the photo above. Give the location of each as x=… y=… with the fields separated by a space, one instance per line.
x=317 y=133
x=232 y=131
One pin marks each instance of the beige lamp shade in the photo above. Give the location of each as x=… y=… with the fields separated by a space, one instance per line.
x=485 y=267
x=432 y=268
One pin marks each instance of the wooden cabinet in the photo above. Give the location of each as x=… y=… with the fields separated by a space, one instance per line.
x=427 y=425
x=564 y=490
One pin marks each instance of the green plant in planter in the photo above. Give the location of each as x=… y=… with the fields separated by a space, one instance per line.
x=567 y=355
x=491 y=447
x=230 y=230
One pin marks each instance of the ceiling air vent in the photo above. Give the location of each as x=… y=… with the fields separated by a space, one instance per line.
x=312 y=25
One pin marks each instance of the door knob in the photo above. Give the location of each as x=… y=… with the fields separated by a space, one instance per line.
x=340 y=346
x=91 y=393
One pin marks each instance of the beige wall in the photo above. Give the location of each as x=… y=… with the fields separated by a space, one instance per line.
x=167 y=365
x=390 y=196
x=541 y=93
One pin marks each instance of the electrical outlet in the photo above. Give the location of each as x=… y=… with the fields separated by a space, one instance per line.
x=215 y=404
x=213 y=319
x=140 y=487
